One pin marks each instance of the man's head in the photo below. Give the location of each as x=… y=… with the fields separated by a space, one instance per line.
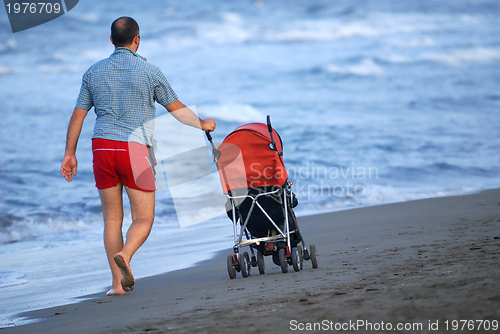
x=125 y=33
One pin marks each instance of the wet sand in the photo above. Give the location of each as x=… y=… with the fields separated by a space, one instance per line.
x=421 y=263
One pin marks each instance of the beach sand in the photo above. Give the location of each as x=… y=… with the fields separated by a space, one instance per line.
x=418 y=263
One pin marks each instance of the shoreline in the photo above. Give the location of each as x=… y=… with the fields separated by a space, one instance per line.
x=57 y=278
x=418 y=261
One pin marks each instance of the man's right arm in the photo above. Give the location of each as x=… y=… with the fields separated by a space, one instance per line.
x=69 y=163
x=186 y=116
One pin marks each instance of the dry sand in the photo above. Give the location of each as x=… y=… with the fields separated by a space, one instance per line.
x=415 y=263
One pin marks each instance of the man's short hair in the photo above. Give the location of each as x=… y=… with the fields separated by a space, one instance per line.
x=123 y=31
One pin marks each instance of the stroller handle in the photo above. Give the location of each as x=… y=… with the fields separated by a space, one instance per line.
x=270 y=128
x=209 y=136
x=215 y=152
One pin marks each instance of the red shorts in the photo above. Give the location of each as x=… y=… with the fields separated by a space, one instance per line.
x=125 y=162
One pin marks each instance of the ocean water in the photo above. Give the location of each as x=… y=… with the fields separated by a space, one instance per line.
x=375 y=101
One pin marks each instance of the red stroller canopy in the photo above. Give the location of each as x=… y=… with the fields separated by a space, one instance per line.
x=247 y=159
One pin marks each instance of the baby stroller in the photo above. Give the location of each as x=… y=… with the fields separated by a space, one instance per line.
x=260 y=200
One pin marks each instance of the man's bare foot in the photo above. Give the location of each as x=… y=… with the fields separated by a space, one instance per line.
x=125 y=272
x=115 y=291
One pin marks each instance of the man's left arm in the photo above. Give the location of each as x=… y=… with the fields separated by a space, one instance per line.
x=186 y=116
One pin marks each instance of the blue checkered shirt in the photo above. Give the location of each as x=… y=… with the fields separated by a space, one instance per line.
x=123 y=89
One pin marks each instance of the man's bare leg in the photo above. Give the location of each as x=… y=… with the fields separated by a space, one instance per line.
x=142 y=204
x=112 y=209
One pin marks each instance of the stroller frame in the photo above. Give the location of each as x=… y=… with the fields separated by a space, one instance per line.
x=280 y=243
x=285 y=235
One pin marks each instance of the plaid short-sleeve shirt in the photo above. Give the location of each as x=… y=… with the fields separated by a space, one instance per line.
x=123 y=90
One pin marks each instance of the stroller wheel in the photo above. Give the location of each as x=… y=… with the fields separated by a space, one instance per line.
x=283 y=260
x=306 y=255
x=253 y=262
x=245 y=264
x=230 y=267
x=301 y=257
x=295 y=259
x=260 y=262
x=314 y=260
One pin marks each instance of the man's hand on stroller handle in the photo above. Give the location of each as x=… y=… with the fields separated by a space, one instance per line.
x=208 y=124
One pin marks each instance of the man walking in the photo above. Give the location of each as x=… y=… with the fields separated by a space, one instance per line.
x=123 y=90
